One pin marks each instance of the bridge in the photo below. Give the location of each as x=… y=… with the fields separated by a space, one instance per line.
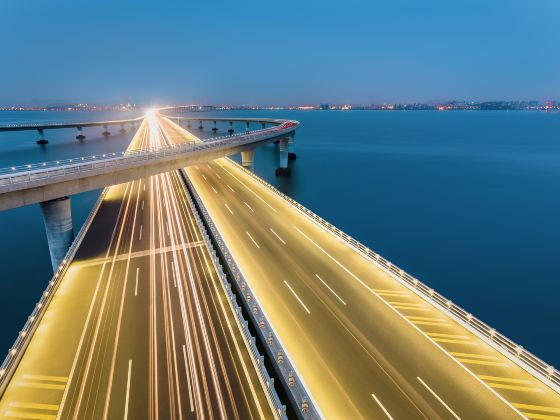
x=79 y=126
x=50 y=183
x=345 y=333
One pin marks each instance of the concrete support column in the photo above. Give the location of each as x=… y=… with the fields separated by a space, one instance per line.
x=42 y=139
x=200 y=126
x=215 y=128
x=57 y=216
x=291 y=152
x=106 y=132
x=283 y=169
x=230 y=131
x=122 y=130
x=247 y=128
x=80 y=135
x=247 y=159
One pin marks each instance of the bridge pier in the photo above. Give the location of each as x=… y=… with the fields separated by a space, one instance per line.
x=283 y=169
x=291 y=153
x=215 y=128
x=263 y=125
x=57 y=216
x=231 y=130
x=247 y=159
x=80 y=135
x=122 y=130
x=247 y=126
x=200 y=127
x=106 y=132
x=42 y=139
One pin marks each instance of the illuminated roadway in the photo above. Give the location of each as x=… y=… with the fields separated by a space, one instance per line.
x=140 y=326
x=365 y=345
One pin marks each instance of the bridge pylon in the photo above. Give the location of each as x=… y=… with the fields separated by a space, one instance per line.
x=247 y=159
x=283 y=169
x=57 y=215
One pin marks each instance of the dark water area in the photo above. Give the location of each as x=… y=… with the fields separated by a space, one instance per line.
x=468 y=202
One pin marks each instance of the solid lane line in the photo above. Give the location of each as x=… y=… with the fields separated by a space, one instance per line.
x=331 y=290
x=231 y=211
x=382 y=407
x=127 y=389
x=136 y=284
x=438 y=398
x=278 y=236
x=250 y=237
x=297 y=297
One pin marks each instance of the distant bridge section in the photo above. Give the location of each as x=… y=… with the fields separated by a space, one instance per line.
x=41 y=127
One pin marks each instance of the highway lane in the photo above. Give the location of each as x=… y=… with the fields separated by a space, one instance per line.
x=365 y=345
x=140 y=326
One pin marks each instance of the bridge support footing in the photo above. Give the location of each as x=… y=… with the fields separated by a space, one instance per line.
x=42 y=139
x=80 y=135
x=283 y=171
x=57 y=216
x=292 y=156
x=247 y=159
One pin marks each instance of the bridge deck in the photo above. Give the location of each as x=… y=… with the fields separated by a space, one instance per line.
x=139 y=323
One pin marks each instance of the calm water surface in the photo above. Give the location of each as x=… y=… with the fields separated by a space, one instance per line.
x=469 y=202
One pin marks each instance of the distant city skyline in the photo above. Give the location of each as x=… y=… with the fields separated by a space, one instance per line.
x=253 y=53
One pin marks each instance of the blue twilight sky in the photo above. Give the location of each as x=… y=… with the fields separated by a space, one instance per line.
x=285 y=52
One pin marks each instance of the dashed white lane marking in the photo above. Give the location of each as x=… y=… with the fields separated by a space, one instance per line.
x=250 y=237
x=438 y=398
x=248 y=206
x=232 y=190
x=136 y=285
x=297 y=297
x=381 y=406
x=140 y=236
x=230 y=210
x=127 y=389
x=214 y=189
x=278 y=236
x=331 y=290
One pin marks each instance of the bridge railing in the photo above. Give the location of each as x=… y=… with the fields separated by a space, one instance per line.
x=258 y=360
x=290 y=376
x=38 y=171
x=16 y=352
x=513 y=351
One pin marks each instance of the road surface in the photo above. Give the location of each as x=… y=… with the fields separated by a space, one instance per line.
x=140 y=326
x=365 y=345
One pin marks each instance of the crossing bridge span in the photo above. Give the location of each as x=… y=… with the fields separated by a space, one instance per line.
x=36 y=183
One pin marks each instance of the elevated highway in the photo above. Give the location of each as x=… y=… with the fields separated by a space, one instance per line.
x=46 y=181
x=366 y=343
x=137 y=324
